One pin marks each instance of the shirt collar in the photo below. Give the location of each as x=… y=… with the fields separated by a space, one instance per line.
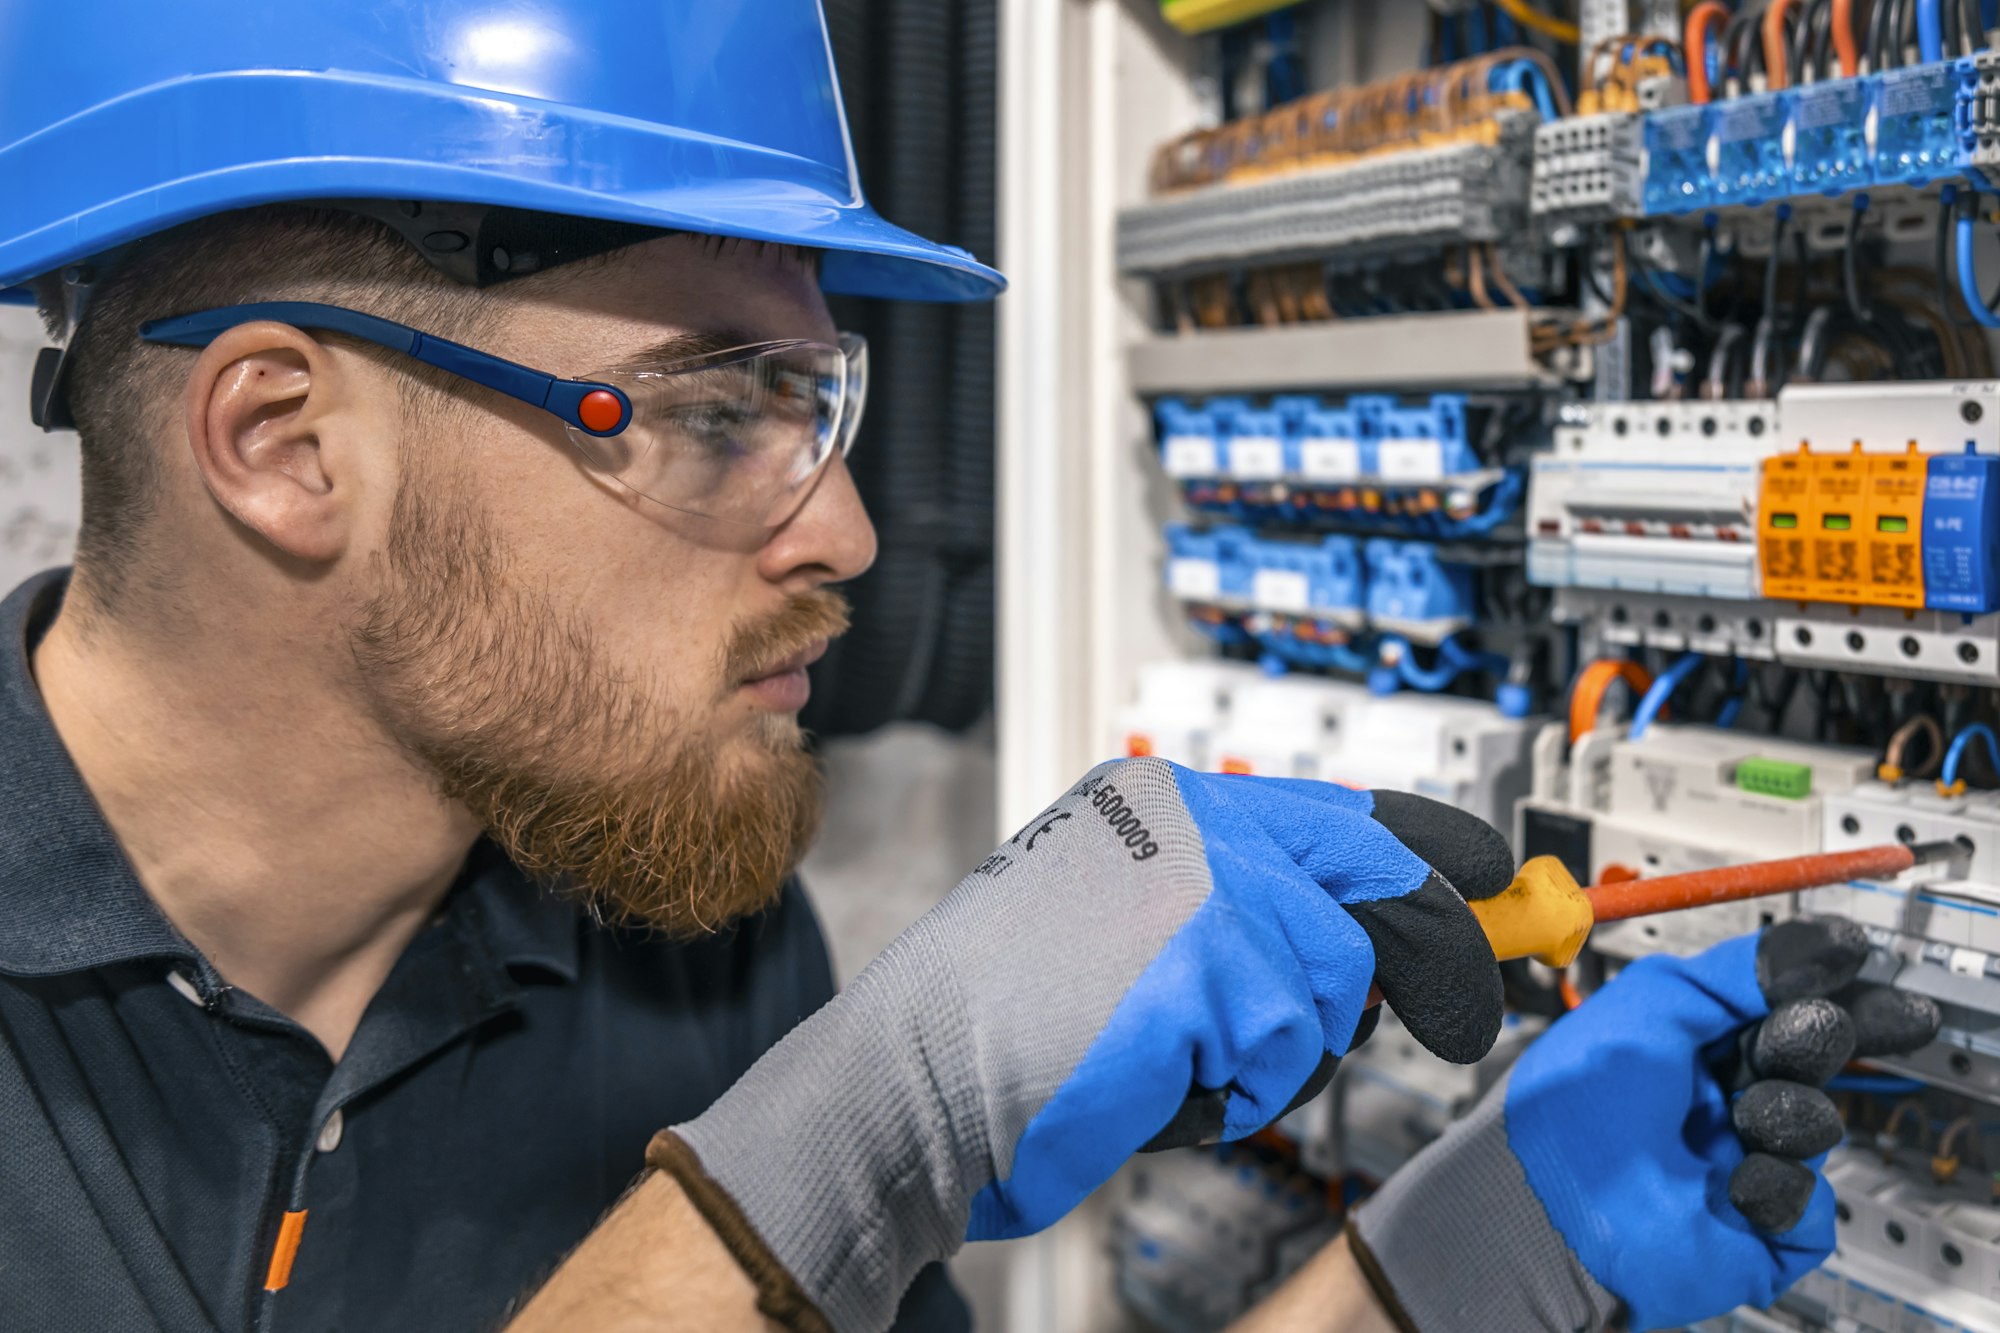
x=69 y=900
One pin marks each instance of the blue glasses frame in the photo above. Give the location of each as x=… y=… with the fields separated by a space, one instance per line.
x=593 y=407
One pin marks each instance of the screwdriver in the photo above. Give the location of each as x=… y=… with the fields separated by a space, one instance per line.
x=1545 y=915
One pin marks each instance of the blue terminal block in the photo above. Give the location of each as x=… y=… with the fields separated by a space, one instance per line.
x=1961 y=542
x=1828 y=135
x=1424 y=444
x=1679 y=178
x=1188 y=446
x=1370 y=411
x=1330 y=446
x=1914 y=116
x=1339 y=579
x=1747 y=149
x=1409 y=586
x=1255 y=448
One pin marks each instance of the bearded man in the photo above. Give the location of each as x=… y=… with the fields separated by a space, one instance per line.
x=399 y=796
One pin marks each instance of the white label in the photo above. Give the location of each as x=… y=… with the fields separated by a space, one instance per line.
x=1330 y=460
x=1189 y=456
x=1283 y=590
x=1411 y=460
x=1968 y=963
x=1256 y=458
x=1197 y=579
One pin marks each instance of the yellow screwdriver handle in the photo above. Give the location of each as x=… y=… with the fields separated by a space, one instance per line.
x=1544 y=915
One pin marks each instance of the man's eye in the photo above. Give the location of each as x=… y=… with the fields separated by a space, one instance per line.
x=717 y=427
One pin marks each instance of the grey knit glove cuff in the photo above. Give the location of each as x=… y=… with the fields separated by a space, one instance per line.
x=1456 y=1240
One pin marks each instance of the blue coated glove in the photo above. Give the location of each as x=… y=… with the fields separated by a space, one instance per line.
x=1155 y=931
x=1656 y=1150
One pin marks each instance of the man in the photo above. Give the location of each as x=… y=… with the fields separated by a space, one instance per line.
x=400 y=792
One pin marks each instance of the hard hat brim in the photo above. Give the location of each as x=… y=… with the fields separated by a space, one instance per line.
x=290 y=139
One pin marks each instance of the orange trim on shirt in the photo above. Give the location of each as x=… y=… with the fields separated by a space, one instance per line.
x=289 y=1230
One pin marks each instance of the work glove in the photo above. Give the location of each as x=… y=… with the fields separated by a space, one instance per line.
x=1656 y=1149
x=1155 y=931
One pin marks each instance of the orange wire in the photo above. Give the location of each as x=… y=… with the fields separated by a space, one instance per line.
x=1571 y=997
x=1591 y=684
x=1700 y=19
x=1844 y=43
x=1777 y=78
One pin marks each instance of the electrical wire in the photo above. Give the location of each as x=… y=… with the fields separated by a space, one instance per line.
x=1949 y=783
x=1804 y=66
x=1968 y=270
x=1715 y=386
x=1586 y=699
x=1535 y=20
x=1701 y=21
x=1894 y=767
x=1844 y=40
x=1655 y=698
x=1850 y=264
x=1930 y=30
x=1777 y=72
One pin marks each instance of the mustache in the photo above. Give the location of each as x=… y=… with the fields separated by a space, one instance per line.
x=757 y=649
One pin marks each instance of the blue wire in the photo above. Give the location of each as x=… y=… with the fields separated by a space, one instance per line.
x=1500 y=507
x=1524 y=76
x=1430 y=682
x=1960 y=743
x=1504 y=32
x=1347 y=658
x=1733 y=705
x=1475 y=42
x=1880 y=1085
x=1968 y=279
x=1656 y=698
x=1493 y=664
x=1930 y=30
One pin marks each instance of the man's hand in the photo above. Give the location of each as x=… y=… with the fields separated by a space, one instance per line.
x=1656 y=1149
x=1154 y=930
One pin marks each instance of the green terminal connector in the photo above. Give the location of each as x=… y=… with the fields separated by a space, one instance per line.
x=1775 y=777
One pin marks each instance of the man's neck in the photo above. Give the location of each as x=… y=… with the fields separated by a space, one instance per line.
x=272 y=822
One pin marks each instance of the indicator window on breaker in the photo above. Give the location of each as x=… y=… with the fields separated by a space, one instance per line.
x=1892 y=523
x=1784 y=520
x=1838 y=522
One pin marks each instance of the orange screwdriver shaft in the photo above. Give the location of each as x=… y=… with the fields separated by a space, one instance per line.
x=1759 y=879
x=1543 y=910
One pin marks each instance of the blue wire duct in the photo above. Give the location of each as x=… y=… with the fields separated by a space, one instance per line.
x=1656 y=698
x=1955 y=756
x=1930 y=30
x=1968 y=277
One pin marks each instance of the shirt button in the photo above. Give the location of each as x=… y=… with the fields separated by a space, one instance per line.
x=178 y=980
x=330 y=1132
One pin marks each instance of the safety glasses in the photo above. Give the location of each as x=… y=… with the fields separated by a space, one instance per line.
x=737 y=435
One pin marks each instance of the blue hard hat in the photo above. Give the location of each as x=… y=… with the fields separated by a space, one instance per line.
x=118 y=120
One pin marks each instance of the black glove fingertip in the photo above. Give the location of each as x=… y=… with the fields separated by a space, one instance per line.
x=1788 y=1119
x=1805 y=1041
x=1809 y=956
x=1890 y=1022
x=1469 y=852
x=1436 y=969
x=1771 y=1192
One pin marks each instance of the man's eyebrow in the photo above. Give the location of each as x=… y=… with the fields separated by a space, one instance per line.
x=669 y=353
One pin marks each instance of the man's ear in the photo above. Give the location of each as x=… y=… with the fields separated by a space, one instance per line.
x=259 y=404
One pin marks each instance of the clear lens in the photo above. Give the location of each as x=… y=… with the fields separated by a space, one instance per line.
x=736 y=436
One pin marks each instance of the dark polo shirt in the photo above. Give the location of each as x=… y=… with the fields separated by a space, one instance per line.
x=158 y=1126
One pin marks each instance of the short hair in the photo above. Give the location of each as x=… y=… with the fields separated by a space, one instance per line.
x=123 y=392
